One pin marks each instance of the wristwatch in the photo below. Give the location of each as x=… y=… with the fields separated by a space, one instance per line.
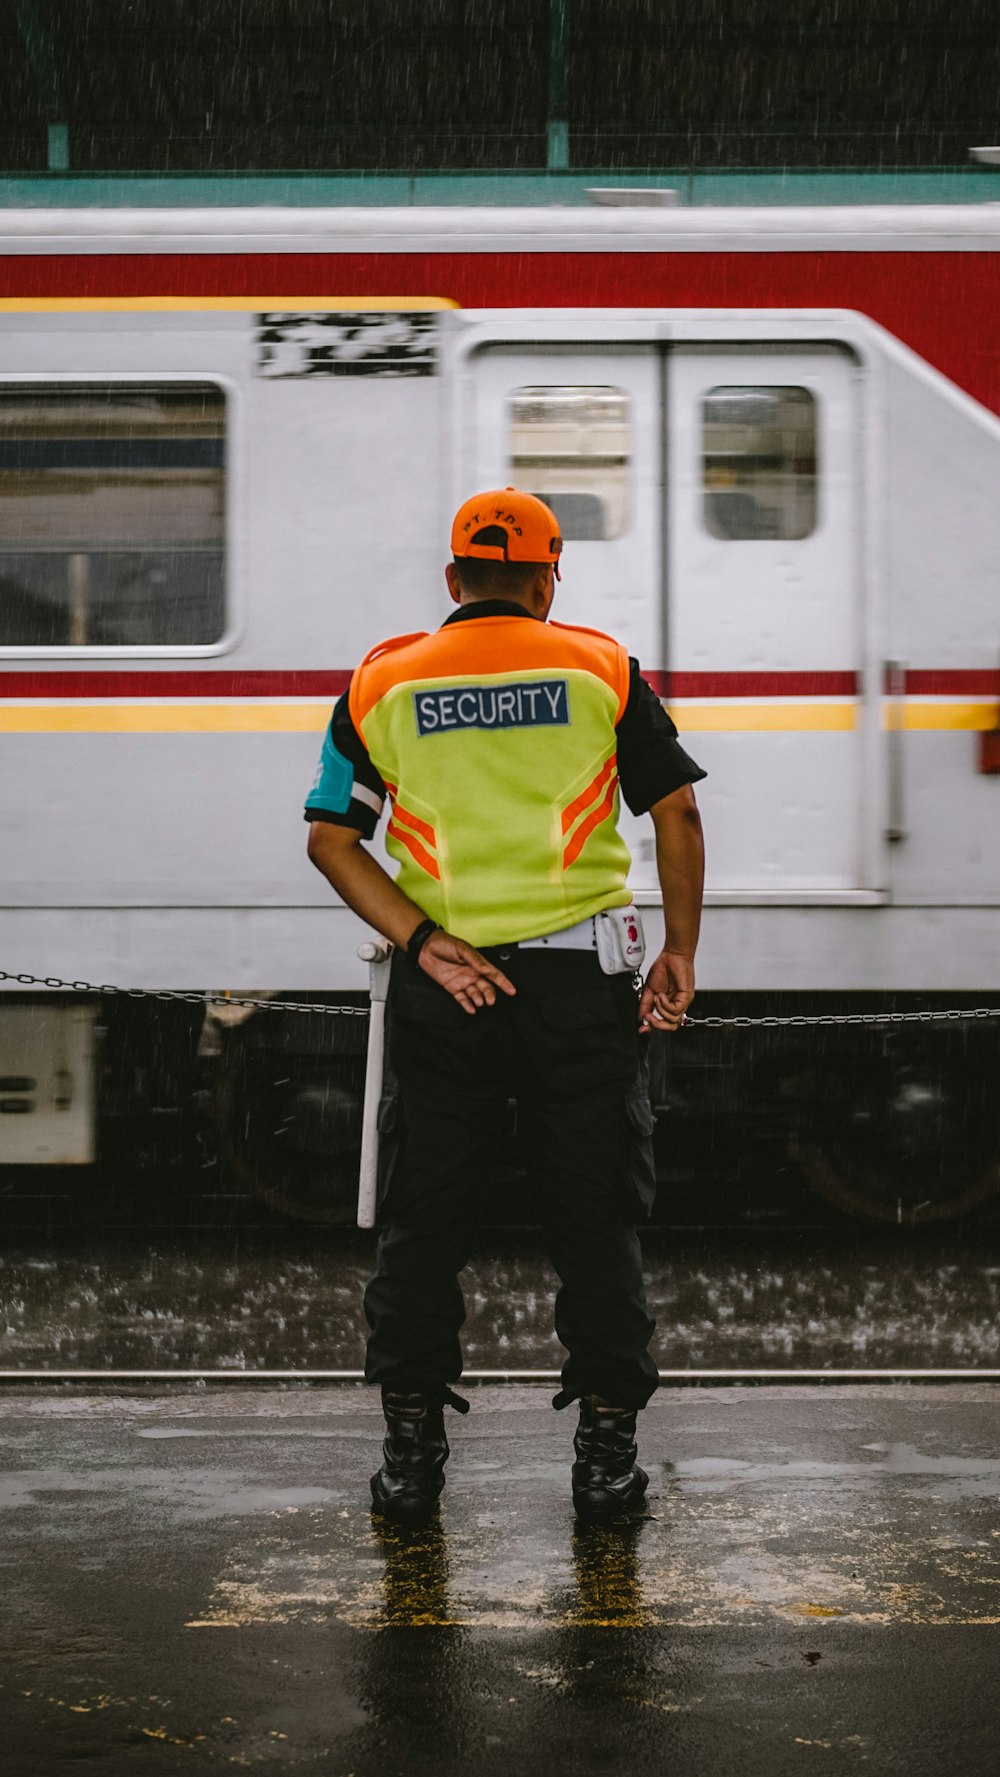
x=418 y=939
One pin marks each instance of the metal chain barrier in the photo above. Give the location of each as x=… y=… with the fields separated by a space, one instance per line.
x=187 y=998
x=954 y=1015
x=799 y=1020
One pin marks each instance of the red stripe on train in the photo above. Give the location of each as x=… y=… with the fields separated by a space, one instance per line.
x=813 y=684
x=34 y=681
x=921 y=682
x=942 y=304
x=918 y=682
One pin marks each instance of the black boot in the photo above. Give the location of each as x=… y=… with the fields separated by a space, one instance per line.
x=607 y=1481
x=414 y=1453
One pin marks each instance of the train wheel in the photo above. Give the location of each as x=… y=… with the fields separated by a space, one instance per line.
x=871 y=1192
x=908 y=1135
x=287 y=1113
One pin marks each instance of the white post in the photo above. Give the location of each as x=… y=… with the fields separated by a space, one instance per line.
x=79 y=587
x=377 y=953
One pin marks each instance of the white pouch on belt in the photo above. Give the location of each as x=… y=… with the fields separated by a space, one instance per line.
x=621 y=945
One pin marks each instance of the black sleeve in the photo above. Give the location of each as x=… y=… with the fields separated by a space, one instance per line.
x=651 y=761
x=347 y=790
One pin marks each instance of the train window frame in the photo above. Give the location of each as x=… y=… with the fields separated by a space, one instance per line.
x=619 y=498
x=745 y=491
x=233 y=616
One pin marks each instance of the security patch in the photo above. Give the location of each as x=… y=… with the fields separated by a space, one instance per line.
x=542 y=703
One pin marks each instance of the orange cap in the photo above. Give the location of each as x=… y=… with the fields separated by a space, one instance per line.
x=531 y=527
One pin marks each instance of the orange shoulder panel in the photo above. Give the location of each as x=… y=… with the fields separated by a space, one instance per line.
x=617 y=672
x=511 y=644
x=363 y=692
x=486 y=646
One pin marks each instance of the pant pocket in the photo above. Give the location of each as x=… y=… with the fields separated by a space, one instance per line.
x=389 y=1134
x=639 y=1125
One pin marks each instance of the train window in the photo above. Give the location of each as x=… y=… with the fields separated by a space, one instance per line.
x=112 y=514
x=571 y=447
x=759 y=473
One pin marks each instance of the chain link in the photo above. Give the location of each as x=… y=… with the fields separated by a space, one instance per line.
x=804 y=1020
x=798 y=1020
x=187 y=998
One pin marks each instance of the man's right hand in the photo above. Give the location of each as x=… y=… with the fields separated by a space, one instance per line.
x=470 y=978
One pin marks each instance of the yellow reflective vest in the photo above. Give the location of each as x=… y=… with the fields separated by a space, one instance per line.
x=496 y=741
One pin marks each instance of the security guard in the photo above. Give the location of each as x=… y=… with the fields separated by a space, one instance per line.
x=501 y=741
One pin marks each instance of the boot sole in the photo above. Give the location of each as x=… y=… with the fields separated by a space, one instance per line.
x=408 y=1510
x=609 y=1508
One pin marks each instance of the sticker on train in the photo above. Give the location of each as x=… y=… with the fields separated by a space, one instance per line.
x=340 y=343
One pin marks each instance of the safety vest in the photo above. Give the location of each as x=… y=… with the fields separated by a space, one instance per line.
x=496 y=740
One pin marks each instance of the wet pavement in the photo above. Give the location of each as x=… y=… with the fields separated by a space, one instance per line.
x=288 y=1300
x=191 y=1580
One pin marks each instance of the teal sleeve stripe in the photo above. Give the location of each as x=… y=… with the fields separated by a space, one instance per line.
x=334 y=780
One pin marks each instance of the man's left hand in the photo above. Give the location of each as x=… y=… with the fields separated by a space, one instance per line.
x=668 y=992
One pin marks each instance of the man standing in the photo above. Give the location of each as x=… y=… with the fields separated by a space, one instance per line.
x=501 y=741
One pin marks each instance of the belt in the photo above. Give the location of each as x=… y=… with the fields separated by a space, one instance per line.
x=579 y=937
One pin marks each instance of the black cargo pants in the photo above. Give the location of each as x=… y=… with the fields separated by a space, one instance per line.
x=567 y=1048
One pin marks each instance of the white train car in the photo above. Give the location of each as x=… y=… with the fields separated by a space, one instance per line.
x=230 y=446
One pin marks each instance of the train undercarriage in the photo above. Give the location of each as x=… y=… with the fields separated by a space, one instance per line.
x=879 y=1122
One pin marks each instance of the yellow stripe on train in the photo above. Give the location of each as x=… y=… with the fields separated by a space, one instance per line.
x=311 y=717
x=165 y=718
x=348 y=305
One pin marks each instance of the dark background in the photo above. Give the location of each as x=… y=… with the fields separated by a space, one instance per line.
x=241 y=85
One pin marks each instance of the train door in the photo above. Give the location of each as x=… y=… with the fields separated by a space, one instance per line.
x=582 y=427
x=764 y=610
x=709 y=501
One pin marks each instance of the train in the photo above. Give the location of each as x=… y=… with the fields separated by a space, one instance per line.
x=231 y=441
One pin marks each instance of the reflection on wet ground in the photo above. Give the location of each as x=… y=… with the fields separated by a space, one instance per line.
x=818 y=1571
x=294 y=1301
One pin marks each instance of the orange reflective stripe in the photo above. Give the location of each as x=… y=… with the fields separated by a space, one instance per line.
x=416 y=850
x=424 y=828
x=585 y=829
x=586 y=796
